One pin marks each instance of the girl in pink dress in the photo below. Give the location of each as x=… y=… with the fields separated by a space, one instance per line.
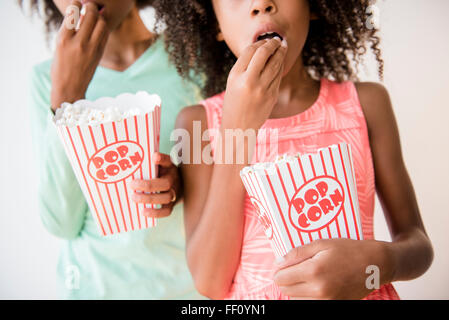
x=287 y=65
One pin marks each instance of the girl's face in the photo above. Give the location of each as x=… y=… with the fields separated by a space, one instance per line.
x=242 y=22
x=115 y=11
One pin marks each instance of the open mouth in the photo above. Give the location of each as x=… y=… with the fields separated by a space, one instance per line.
x=269 y=35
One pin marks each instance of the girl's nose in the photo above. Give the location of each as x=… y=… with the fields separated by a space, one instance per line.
x=262 y=6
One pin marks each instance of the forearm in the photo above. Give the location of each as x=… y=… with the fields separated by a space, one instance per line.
x=214 y=250
x=215 y=246
x=410 y=254
x=60 y=202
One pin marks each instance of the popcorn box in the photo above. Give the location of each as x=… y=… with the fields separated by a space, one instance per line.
x=307 y=197
x=107 y=153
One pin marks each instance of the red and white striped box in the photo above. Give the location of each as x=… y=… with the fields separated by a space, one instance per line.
x=107 y=155
x=305 y=197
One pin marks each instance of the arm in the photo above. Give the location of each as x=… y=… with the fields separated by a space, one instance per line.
x=335 y=269
x=411 y=250
x=214 y=193
x=213 y=222
x=61 y=203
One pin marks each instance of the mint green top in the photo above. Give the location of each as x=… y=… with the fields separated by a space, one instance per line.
x=144 y=264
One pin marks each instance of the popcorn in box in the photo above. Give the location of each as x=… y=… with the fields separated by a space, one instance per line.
x=307 y=197
x=109 y=142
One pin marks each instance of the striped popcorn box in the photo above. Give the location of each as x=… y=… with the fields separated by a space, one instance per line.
x=307 y=197
x=109 y=142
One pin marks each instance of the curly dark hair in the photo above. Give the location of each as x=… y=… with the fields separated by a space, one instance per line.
x=336 y=42
x=51 y=14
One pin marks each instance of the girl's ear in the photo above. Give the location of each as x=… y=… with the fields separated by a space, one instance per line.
x=314 y=16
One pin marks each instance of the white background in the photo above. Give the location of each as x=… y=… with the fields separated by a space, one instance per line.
x=415 y=45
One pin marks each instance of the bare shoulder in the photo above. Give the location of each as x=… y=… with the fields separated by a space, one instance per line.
x=376 y=104
x=372 y=93
x=189 y=114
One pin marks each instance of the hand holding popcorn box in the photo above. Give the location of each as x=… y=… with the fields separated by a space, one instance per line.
x=109 y=142
x=305 y=197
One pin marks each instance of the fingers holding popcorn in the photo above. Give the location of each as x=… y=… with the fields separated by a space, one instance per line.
x=154 y=198
x=163 y=212
x=162 y=192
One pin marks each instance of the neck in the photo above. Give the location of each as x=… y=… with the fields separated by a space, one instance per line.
x=127 y=43
x=296 y=82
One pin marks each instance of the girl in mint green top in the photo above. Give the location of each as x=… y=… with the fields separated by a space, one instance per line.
x=111 y=53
